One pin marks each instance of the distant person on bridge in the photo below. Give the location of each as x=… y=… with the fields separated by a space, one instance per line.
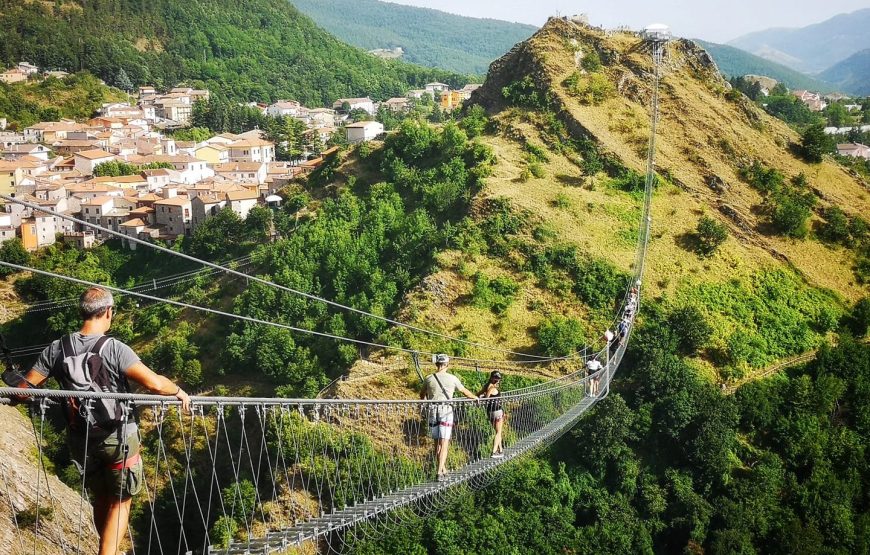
x=494 y=409
x=592 y=367
x=102 y=438
x=440 y=386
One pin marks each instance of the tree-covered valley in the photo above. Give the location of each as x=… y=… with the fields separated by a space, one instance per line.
x=517 y=224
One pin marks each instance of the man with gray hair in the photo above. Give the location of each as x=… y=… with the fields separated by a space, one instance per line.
x=103 y=440
x=441 y=386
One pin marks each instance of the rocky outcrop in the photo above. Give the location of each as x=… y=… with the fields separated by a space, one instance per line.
x=20 y=473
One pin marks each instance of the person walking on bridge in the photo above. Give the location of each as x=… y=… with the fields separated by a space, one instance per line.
x=102 y=438
x=440 y=386
x=495 y=410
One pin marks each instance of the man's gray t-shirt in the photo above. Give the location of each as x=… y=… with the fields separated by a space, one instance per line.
x=117 y=357
x=448 y=381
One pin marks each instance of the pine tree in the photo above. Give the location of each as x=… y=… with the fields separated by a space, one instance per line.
x=122 y=81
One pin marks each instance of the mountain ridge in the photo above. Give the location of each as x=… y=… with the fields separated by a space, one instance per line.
x=428 y=36
x=246 y=50
x=734 y=62
x=812 y=48
x=852 y=74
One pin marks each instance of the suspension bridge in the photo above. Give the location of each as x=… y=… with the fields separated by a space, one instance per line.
x=243 y=475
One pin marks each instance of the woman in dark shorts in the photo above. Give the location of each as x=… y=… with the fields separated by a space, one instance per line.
x=494 y=410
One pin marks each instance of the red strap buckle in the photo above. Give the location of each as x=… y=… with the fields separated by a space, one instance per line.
x=128 y=463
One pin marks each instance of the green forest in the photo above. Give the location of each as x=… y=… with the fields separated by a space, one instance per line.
x=77 y=96
x=248 y=50
x=668 y=464
x=734 y=62
x=428 y=37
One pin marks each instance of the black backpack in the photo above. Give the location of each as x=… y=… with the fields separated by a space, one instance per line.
x=88 y=372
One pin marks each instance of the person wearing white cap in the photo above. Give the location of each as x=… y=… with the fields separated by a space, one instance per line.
x=440 y=386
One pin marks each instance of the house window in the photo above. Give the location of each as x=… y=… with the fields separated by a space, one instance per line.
x=186 y=213
x=87 y=210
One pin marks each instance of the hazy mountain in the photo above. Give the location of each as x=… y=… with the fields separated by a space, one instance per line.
x=735 y=62
x=812 y=48
x=852 y=75
x=428 y=37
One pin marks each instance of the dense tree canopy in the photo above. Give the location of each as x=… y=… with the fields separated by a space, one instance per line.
x=252 y=50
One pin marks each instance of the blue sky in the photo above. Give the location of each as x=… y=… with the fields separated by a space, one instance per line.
x=714 y=20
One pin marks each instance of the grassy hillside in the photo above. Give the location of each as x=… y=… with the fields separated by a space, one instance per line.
x=78 y=96
x=734 y=62
x=428 y=37
x=812 y=48
x=258 y=50
x=852 y=75
x=540 y=100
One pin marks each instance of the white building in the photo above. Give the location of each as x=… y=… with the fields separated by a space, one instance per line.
x=87 y=160
x=252 y=150
x=433 y=88
x=856 y=150
x=363 y=131
x=355 y=104
x=284 y=108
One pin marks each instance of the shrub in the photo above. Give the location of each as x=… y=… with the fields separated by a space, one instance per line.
x=836 y=226
x=766 y=180
x=537 y=170
x=859 y=320
x=597 y=283
x=789 y=212
x=561 y=201
x=560 y=336
x=591 y=89
x=691 y=328
x=496 y=294
x=711 y=235
x=815 y=143
x=475 y=121
x=223 y=531
x=591 y=62
x=13 y=251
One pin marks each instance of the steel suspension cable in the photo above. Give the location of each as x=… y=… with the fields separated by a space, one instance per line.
x=268 y=283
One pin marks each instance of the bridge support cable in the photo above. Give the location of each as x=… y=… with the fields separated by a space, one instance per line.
x=256 y=475
x=530 y=358
x=342 y=468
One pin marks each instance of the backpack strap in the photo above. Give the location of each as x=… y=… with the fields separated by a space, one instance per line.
x=98 y=346
x=66 y=349
x=444 y=391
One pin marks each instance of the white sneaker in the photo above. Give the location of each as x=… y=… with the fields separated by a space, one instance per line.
x=498 y=455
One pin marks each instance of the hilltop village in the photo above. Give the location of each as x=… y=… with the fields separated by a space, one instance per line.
x=124 y=170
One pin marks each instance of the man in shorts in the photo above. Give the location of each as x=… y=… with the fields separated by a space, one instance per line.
x=112 y=464
x=440 y=386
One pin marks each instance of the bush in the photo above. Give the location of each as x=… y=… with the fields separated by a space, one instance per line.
x=537 y=170
x=598 y=283
x=691 y=329
x=496 y=294
x=223 y=531
x=13 y=251
x=859 y=320
x=789 y=212
x=815 y=143
x=766 y=180
x=475 y=121
x=836 y=226
x=711 y=235
x=591 y=62
x=591 y=89
x=560 y=336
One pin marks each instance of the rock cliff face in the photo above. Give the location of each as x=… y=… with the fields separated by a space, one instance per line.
x=20 y=473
